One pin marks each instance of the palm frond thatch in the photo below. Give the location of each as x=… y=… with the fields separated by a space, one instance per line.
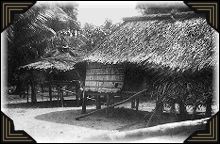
x=56 y=60
x=179 y=42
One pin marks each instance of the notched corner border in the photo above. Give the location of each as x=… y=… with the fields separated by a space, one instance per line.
x=9 y=8
x=210 y=9
x=210 y=134
x=8 y=134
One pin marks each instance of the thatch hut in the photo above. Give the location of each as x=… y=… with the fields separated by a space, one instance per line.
x=170 y=55
x=58 y=68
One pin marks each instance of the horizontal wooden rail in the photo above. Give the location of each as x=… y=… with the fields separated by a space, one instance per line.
x=68 y=91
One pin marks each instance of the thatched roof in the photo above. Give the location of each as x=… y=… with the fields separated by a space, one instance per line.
x=58 y=60
x=179 y=42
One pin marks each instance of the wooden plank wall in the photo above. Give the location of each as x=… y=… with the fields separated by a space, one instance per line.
x=104 y=78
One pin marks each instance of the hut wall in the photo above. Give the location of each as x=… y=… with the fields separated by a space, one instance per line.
x=39 y=76
x=104 y=78
x=135 y=79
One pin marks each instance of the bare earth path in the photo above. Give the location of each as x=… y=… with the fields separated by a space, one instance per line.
x=58 y=125
x=43 y=131
x=46 y=131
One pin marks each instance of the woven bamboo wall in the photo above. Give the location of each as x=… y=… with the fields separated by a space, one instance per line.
x=104 y=78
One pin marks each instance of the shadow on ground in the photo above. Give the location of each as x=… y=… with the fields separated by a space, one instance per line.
x=121 y=119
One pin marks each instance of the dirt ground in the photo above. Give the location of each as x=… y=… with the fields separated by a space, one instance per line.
x=50 y=123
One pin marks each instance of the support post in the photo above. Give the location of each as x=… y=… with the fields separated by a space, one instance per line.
x=112 y=101
x=58 y=94
x=84 y=99
x=61 y=97
x=111 y=108
x=27 y=93
x=42 y=92
x=116 y=104
x=182 y=110
x=159 y=107
x=98 y=102
x=50 y=92
x=132 y=103
x=137 y=103
x=77 y=95
x=107 y=104
x=42 y=88
x=33 y=92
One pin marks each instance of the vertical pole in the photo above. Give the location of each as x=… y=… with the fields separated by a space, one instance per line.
x=98 y=102
x=27 y=92
x=42 y=88
x=112 y=100
x=42 y=91
x=182 y=110
x=111 y=109
x=137 y=103
x=33 y=92
x=77 y=90
x=107 y=104
x=61 y=97
x=84 y=96
x=50 y=92
x=133 y=103
x=58 y=94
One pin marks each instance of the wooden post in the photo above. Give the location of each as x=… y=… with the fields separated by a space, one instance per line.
x=116 y=104
x=107 y=104
x=133 y=103
x=137 y=103
x=33 y=92
x=84 y=98
x=111 y=108
x=159 y=107
x=27 y=93
x=61 y=97
x=112 y=101
x=50 y=92
x=77 y=89
x=58 y=94
x=182 y=110
x=42 y=88
x=98 y=102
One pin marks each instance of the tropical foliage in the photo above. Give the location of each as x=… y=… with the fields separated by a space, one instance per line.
x=31 y=34
x=145 y=8
x=95 y=34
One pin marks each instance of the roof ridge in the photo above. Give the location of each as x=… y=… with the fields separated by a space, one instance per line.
x=188 y=14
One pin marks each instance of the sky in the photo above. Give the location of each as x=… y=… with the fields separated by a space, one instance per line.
x=96 y=12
